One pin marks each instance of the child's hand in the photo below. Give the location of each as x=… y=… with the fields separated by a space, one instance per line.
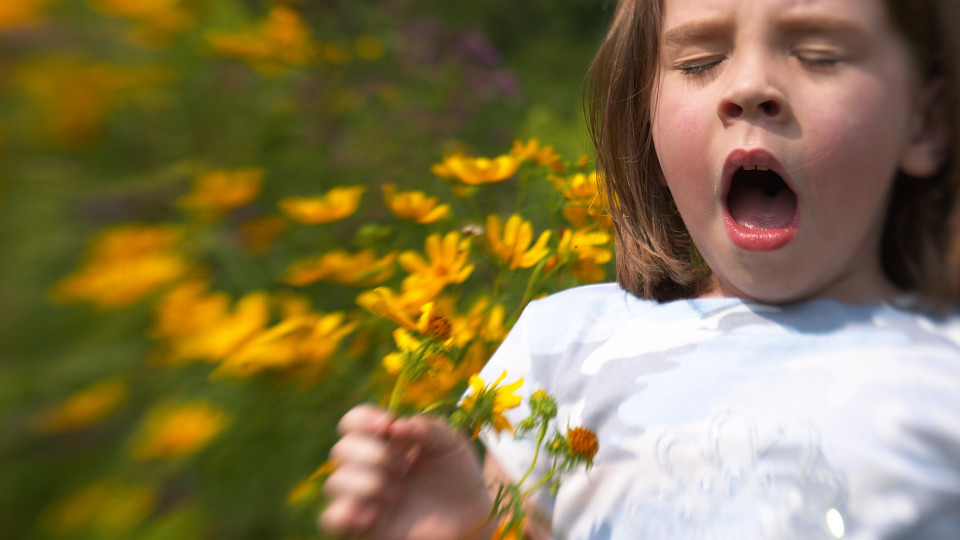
x=404 y=478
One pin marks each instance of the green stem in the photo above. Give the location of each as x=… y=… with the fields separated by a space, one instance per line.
x=396 y=395
x=534 y=276
x=540 y=483
x=536 y=453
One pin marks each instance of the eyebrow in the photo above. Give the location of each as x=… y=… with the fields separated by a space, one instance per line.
x=792 y=25
x=703 y=30
x=818 y=24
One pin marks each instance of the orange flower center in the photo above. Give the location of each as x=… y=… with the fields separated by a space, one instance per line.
x=583 y=442
x=439 y=327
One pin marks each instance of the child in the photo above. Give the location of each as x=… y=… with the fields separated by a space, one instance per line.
x=777 y=380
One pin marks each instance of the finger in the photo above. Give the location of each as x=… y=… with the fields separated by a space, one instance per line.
x=365 y=418
x=424 y=433
x=347 y=516
x=367 y=451
x=361 y=483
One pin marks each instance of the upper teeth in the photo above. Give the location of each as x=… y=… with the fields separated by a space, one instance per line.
x=755 y=167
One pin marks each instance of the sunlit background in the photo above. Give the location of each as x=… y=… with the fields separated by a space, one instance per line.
x=217 y=217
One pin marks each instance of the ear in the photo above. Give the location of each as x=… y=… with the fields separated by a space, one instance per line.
x=929 y=136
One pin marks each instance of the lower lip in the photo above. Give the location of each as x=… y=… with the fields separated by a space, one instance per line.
x=759 y=239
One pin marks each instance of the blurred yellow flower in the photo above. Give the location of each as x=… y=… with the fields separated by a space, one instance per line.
x=281 y=41
x=259 y=234
x=474 y=171
x=446 y=262
x=585 y=201
x=123 y=264
x=586 y=249
x=368 y=47
x=486 y=404
x=75 y=114
x=110 y=506
x=217 y=192
x=361 y=269
x=511 y=243
x=415 y=205
x=308 y=486
x=508 y=531
x=83 y=408
x=399 y=308
x=157 y=20
x=21 y=13
x=585 y=244
x=435 y=323
x=336 y=204
x=300 y=340
x=196 y=325
x=541 y=155
x=174 y=431
x=437 y=378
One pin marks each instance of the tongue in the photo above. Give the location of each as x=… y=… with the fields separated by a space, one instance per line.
x=753 y=206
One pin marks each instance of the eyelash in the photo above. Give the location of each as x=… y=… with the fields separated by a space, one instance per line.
x=696 y=69
x=818 y=63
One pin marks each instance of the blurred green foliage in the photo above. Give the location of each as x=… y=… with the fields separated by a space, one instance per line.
x=110 y=109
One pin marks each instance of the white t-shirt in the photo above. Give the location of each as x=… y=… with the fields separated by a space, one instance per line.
x=724 y=418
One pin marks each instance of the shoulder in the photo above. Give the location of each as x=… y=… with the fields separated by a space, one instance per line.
x=581 y=313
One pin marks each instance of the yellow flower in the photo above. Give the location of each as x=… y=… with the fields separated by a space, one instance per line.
x=474 y=171
x=415 y=205
x=297 y=341
x=201 y=326
x=435 y=323
x=21 y=13
x=110 y=506
x=399 y=308
x=175 y=431
x=532 y=151
x=585 y=244
x=585 y=201
x=513 y=245
x=434 y=379
x=75 y=114
x=82 y=408
x=446 y=262
x=509 y=531
x=281 y=41
x=124 y=264
x=308 y=486
x=486 y=404
x=219 y=191
x=259 y=234
x=157 y=20
x=362 y=269
x=336 y=204
x=585 y=250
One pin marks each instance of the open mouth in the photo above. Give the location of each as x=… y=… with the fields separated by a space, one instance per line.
x=759 y=199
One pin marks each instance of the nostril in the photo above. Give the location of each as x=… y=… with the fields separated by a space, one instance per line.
x=732 y=110
x=770 y=108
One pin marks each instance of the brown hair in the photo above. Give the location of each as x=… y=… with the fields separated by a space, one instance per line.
x=656 y=257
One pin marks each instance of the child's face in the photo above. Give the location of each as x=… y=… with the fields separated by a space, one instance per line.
x=820 y=92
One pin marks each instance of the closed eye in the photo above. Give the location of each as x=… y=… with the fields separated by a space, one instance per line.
x=817 y=61
x=698 y=67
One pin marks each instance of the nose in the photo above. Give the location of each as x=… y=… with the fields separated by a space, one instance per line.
x=752 y=94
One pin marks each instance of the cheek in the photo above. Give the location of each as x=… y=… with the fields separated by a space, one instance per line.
x=857 y=134
x=679 y=134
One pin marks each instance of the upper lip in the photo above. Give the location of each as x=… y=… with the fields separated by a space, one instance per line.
x=751 y=157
